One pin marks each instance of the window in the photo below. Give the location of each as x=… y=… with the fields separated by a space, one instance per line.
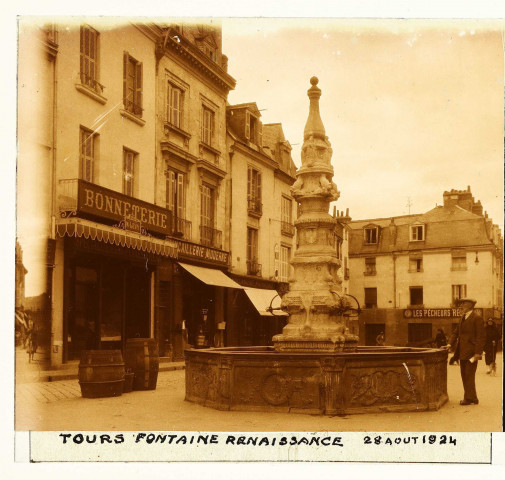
x=417 y=233
x=346 y=269
x=370 y=297
x=339 y=247
x=285 y=259
x=128 y=172
x=420 y=332
x=89 y=58
x=253 y=129
x=176 y=203
x=415 y=264
x=254 y=204
x=207 y=125
x=208 y=234
x=253 y=268
x=88 y=140
x=132 y=85
x=371 y=235
x=287 y=227
x=416 y=295
x=370 y=266
x=458 y=261
x=458 y=291
x=175 y=97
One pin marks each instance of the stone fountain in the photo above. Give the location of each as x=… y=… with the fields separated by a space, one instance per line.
x=316 y=365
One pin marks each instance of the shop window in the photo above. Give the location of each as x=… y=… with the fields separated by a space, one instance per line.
x=371 y=235
x=89 y=64
x=129 y=161
x=254 y=205
x=88 y=146
x=371 y=297
x=417 y=233
x=285 y=263
x=420 y=332
x=370 y=266
x=132 y=85
x=458 y=291
x=416 y=296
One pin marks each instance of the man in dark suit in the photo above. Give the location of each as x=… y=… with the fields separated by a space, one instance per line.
x=470 y=337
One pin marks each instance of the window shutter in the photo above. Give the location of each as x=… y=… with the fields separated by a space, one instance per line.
x=180 y=195
x=125 y=73
x=249 y=182
x=138 y=88
x=176 y=93
x=258 y=188
x=247 y=125
x=170 y=192
x=260 y=134
x=169 y=102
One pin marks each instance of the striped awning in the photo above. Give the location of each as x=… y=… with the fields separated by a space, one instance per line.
x=77 y=227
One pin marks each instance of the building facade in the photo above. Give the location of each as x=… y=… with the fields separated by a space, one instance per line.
x=261 y=227
x=407 y=272
x=132 y=188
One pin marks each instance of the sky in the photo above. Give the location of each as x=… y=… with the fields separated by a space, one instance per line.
x=411 y=108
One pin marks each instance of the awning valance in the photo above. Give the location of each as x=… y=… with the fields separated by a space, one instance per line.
x=77 y=227
x=262 y=298
x=210 y=276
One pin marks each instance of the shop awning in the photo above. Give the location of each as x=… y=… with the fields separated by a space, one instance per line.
x=77 y=227
x=210 y=276
x=262 y=298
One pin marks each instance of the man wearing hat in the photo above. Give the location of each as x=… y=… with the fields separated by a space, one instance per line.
x=470 y=337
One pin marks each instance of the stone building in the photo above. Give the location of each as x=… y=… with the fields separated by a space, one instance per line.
x=125 y=194
x=261 y=228
x=408 y=271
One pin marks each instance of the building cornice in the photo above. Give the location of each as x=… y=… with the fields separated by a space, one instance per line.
x=253 y=154
x=284 y=177
x=173 y=43
x=432 y=250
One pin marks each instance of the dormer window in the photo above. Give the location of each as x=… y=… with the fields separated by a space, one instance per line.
x=371 y=235
x=417 y=233
x=253 y=129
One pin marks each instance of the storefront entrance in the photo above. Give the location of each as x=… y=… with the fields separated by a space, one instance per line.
x=107 y=302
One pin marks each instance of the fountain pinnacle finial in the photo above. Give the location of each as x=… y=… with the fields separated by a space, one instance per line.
x=314 y=126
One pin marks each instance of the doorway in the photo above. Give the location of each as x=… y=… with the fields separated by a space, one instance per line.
x=371 y=332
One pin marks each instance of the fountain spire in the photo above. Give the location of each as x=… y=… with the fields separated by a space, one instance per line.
x=314 y=126
x=315 y=301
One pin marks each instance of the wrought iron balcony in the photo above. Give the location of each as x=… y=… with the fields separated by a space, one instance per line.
x=254 y=206
x=211 y=237
x=287 y=228
x=132 y=107
x=181 y=228
x=253 y=268
x=91 y=83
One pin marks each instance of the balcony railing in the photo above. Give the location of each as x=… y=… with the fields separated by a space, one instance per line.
x=254 y=206
x=287 y=228
x=253 y=268
x=181 y=228
x=132 y=107
x=91 y=83
x=211 y=237
x=67 y=197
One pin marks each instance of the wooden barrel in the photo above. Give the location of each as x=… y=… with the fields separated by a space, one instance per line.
x=141 y=357
x=101 y=373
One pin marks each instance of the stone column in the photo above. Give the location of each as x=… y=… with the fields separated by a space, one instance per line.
x=315 y=296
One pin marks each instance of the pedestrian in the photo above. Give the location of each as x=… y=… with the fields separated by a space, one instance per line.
x=492 y=339
x=469 y=340
x=32 y=341
x=380 y=339
x=440 y=339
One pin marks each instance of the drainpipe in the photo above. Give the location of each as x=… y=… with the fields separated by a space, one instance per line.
x=394 y=280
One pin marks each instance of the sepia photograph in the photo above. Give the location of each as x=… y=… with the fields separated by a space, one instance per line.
x=258 y=225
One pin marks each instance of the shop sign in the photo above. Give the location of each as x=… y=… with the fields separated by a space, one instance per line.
x=102 y=202
x=193 y=250
x=435 y=312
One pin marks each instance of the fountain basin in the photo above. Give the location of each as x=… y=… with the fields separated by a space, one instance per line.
x=371 y=379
